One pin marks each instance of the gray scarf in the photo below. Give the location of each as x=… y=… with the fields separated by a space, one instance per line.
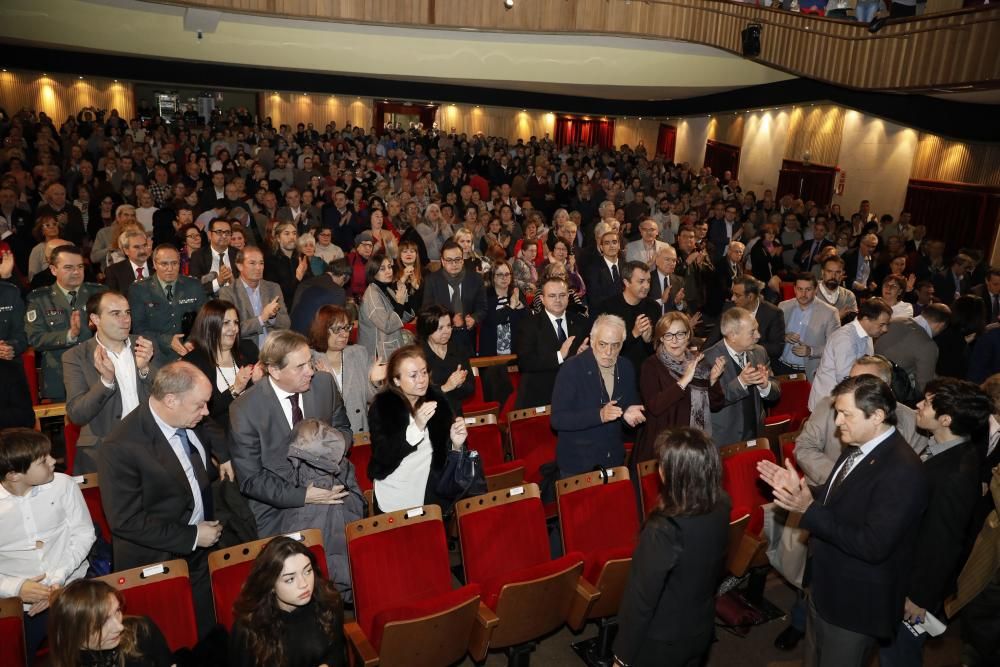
x=455 y=283
x=698 y=387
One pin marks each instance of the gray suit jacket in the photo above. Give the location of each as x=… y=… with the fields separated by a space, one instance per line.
x=89 y=403
x=818 y=446
x=728 y=423
x=259 y=446
x=823 y=322
x=907 y=344
x=357 y=388
x=250 y=326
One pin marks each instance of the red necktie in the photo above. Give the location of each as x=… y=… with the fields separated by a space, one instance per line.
x=138 y=273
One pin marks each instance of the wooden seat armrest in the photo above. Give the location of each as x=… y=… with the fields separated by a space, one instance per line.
x=363 y=652
x=482 y=632
x=584 y=599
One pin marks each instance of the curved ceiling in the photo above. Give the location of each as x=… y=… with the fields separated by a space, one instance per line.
x=617 y=68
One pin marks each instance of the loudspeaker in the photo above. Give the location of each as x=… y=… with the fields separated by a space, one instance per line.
x=751 y=40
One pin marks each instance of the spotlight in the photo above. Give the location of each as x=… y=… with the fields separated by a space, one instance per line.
x=508 y=4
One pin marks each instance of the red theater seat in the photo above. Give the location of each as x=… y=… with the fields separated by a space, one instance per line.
x=505 y=550
x=71 y=433
x=794 y=400
x=650 y=485
x=360 y=455
x=742 y=482
x=532 y=439
x=163 y=593
x=486 y=438
x=406 y=610
x=92 y=496
x=229 y=568
x=31 y=373
x=12 y=653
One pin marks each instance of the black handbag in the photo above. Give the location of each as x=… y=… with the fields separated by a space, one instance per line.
x=462 y=475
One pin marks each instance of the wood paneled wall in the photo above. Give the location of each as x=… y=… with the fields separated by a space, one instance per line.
x=496 y=121
x=939 y=159
x=727 y=128
x=318 y=109
x=61 y=95
x=933 y=50
x=632 y=131
x=817 y=129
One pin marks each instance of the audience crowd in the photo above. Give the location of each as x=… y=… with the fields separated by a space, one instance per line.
x=225 y=305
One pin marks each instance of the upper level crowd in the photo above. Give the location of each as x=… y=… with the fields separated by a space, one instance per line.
x=226 y=284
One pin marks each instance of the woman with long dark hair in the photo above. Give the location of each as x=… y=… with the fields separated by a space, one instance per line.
x=228 y=361
x=412 y=430
x=384 y=309
x=87 y=629
x=667 y=613
x=288 y=614
x=447 y=357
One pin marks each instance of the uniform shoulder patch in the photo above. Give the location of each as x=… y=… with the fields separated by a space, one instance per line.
x=32 y=315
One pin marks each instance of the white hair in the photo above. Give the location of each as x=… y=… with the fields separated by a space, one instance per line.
x=607 y=321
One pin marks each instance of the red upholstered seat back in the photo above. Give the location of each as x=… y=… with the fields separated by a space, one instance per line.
x=788 y=454
x=533 y=441
x=503 y=539
x=599 y=517
x=487 y=440
x=28 y=359
x=794 y=401
x=227 y=582
x=360 y=455
x=92 y=496
x=650 y=484
x=71 y=433
x=742 y=482
x=397 y=568
x=12 y=645
x=787 y=291
x=169 y=604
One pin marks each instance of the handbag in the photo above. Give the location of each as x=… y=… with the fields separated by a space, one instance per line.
x=786 y=543
x=462 y=475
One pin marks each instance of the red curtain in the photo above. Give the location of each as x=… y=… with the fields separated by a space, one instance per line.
x=666 y=142
x=577 y=131
x=963 y=215
x=812 y=182
x=722 y=158
x=426 y=113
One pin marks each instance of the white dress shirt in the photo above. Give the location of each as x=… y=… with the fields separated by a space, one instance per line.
x=286 y=405
x=125 y=370
x=46 y=531
x=170 y=433
x=555 y=327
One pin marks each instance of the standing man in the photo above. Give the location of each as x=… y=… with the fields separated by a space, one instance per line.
x=989 y=292
x=545 y=340
x=459 y=290
x=647 y=247
x=68 y=216
x=156 y=470
x=808 y=252
x=862 y=524
x=161 y=303
x=604 y=274
x=909 y=343
x=106 y=377
x=262 y=418
x=859 y=265
x=954 y=282
x=832 y=292
x=664 y=285
x=218 y=258
x=746 y=379
x=259 y=302
x=55 y=318
x=847 y=344
x=13 y=340
x=595 y=392
x=136 y=265
x=286 y=266
x=638 y=311
x=956 y=413
x=808 y=324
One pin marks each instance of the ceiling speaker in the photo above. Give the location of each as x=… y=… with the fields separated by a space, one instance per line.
x=751 y=40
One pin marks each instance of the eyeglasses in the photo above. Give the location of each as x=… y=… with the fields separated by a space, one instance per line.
x=451 y=260
x=502 y=274
x=192 y=236
x=339 y=329
x=678 y=335
x=222 y=232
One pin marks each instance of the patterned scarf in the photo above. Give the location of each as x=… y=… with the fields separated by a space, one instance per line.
x=698 y=387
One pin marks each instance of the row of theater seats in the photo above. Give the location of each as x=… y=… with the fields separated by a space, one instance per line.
x=408 y=613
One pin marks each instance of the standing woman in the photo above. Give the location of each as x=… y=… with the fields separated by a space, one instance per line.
x=525 y=269
x=504 y=309
x=408 y=272
x=765 y=256
x=676 y=388
x=473 y=260
x=227 y=360
x=412 y=430
x=87 y=629
x=288 y=614
x=385 y=241
x=447 y=357
x=190 y=238
x=383 y=310
x=667 y=613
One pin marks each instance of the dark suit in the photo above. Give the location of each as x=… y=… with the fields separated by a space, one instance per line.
x=577 y=398
x=148 y=500
x=851 y=260
x=325 y=282
x=992 y=314
x=944 y=287
x=259 y=432
x=201 y=263
x=436 y=291
x=601 y=286
x=862 y=540
x=985 y=357
x=770 y=323
x=120 y=275
x=280 y=269
x=536 y=345
x=806 y=255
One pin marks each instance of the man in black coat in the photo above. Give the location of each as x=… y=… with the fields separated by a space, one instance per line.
x=956 y=413
x=286 y=266
x=156 y=468
x=459 y=290
x=136 y=265
x=639 y=312
x=863 y=524
x=544 y=341
x=217 y=257
x=603 y=275
x=770 y=320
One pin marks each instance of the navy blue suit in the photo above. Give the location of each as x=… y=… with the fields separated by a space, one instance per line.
x=577 y=399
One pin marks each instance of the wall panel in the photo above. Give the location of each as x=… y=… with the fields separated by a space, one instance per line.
x=692 y=133
x=60 y=95
x=817 y=129
x=764 y=138
x=633 y=131
x=727 y=128
x=318 y=109
x=939 y=159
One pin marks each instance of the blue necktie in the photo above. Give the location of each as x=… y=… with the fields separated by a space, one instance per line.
x=200 y=474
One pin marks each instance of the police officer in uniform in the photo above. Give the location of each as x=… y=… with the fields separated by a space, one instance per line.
x=56 y=317
x=13 y=340
x=159 y=303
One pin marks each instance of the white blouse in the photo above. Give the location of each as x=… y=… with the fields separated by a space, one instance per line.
x=405 y=487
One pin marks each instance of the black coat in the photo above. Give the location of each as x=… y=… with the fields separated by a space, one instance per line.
x=218 y=406
x=600 y=284
x=201 y=263
x=536 y=345
x=120 y=276
x=388 y=418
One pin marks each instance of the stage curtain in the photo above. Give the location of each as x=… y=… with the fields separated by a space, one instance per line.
x=721 y=158
x=666 y=142
x=963 y=215
x=577 y=131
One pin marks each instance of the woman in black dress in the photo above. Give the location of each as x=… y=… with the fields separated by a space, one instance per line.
x=447 y=357
x=667 y=614
x=288 y=614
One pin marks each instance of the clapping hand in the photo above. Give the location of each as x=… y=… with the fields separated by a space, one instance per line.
x=74 y=324
x=718 y=368
x=790 y=492
x=225 y=274
x=6 y=350
x=318 y=496
x=635 y=415
x=642 y=328
x=456 y=379
x=611 y=412
x=143 y=353
x=459 y=432
x=177 y=344
x=689 y=371
x=424 y=414
x=105 y=367
x=243 y=377
x=270 y=311
x=300 y=270
x=6 y=264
